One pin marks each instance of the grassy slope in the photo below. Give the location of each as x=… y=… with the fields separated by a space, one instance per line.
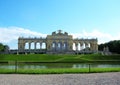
x=58 y=58
x=59 y=70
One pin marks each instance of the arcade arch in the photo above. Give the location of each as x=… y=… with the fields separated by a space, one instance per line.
x=43 y=45
x=38 y=45
x=26 y=45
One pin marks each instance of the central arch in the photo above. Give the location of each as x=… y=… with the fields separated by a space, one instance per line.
x=59 y=46
x=54 y=46
x=65 y=46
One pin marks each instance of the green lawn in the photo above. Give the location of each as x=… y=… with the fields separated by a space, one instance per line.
x=59 y=70
x=58 y=58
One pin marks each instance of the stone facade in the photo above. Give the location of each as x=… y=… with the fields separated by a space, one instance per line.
x=58 y=42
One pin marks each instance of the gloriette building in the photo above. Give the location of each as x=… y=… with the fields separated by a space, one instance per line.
x=57 y=42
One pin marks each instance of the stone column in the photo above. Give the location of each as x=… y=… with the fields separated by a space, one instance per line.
x=55 y=46
x=40 y=45
x=35 y=45
x=60 y=46
x=29 y=45
x=81 y=46
x=70 y=46
x=96 y=47
x=20 y=47
x=46 y=45
x=76 y=46
x=20 y=44
x=24 y=46
x=86 y=45
x=92 y=46
x=63 y=46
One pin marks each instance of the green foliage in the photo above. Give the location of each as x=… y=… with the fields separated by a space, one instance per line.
x=114 y=46
x=1 y=47
x=58 y=58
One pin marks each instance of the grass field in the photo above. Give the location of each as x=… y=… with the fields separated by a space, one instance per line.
x=59 y=71
x=59 y=58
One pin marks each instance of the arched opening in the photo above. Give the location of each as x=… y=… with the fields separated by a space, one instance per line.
x=59 y=46
x=82 y=46
x=54 y=46
x=65 y=46
x=43 y=45
x=32 y=45
x=74 y=47
x=87 y=45
x=26 y=45
x=37 y=45
x=79 y=47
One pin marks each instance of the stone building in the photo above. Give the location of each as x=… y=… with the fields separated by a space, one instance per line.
x=58 y=42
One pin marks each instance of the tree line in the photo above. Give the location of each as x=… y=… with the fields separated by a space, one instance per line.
x=114 y=46
x=3 y=47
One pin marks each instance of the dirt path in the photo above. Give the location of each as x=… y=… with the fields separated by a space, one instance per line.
x=61 y=79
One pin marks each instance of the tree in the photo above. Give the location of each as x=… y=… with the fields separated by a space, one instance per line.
x=4 y=48
x=1 y=47
x=114 y=46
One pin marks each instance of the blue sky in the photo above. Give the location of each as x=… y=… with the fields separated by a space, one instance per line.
x=82 y=18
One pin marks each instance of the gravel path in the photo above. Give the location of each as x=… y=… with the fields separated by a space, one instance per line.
x=61 y=79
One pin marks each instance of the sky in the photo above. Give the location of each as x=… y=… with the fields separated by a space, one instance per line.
x=81 y=18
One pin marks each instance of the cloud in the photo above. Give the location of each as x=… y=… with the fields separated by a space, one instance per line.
x=9 y=35
x=101 y=36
